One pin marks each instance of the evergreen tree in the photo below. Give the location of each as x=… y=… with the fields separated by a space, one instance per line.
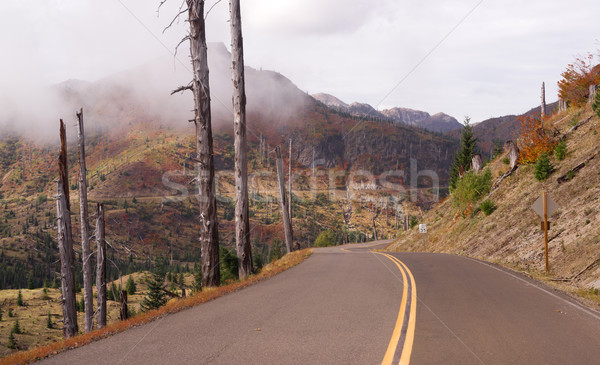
x=156 y=296
x=20 y=299
x=464 y=156
x=0 y=314
x=49 y=321
x=543 y=168
x=130 y=286
x=197 y=278
x=12 y=343
x=16 y=328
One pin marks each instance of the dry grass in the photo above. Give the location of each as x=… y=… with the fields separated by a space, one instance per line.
x=172 y=306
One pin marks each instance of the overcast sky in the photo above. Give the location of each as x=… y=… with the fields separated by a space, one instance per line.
x=491 y=61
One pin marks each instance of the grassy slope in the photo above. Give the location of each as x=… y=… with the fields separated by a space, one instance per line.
x=511 y=235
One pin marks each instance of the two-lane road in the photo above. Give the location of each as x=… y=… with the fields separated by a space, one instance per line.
x=348 y=305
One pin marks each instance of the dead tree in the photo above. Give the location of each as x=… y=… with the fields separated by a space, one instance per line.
x=101 y=265
x=290 y=181
x=242 y=220
x=287 y=227
x=65 y=241
x=209 y=234
x=476 y=163
x=86 y=254
x=543 y=103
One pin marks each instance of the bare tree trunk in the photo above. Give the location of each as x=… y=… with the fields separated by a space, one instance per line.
x=290 y=182
x=287 y=227
x=543 y=103
x=65 y=241
x=123 y=313
x=209 y=233
x=101 y=266
x=88 y=297
x=242 y=222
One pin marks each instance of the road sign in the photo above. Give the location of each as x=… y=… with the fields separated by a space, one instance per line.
x=538 y=206
x=422 y=228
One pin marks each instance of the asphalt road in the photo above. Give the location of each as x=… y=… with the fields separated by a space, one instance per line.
x=348 y=305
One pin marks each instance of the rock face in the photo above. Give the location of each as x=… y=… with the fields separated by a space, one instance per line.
x=439 y=122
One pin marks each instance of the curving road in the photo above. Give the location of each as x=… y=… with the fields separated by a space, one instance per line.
x=349 y=305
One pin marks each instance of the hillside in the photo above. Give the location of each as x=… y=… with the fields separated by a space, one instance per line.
x=500 y=129
x=138 y=146
x=511 y=235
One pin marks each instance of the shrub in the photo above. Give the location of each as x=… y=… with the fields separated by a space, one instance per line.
x=49 y=321
x=543 y=168
x=560 y=151
x=488 y=207
x=575 y=84
x=471 y=188
x=534 y=139
x=229 y=265
x=506 y=160
x=596 y=104
x=325 y=239
x=413 y=221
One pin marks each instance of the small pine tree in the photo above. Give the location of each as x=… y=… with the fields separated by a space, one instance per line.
x=464 y=156
x=197 y=279
x=10 y=313
x=596 y=104
x=49 y=321
x=560 y=151
x=543 y=167
x=20 y=299
x=0 y=314
x=130 y=286
x=12 y=343
x=156 y=296
x=16 y=328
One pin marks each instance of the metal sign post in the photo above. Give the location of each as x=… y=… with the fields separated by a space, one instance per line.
x=544 y=207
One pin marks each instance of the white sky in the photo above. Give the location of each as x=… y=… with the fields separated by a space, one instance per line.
x=492 y=64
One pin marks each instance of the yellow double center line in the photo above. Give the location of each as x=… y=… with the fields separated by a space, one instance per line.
x=400 y=347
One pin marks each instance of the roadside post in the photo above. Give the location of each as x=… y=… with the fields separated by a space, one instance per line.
x=423 y=231
x=544 y=206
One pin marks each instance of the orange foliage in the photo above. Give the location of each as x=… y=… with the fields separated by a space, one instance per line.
x=575 y=84
x=533 y=140
x=173 y=306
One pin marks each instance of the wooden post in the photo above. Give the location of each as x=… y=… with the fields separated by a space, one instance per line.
x=209 y=234
x=86 y=254
x=287 y=227
x=545 y=208
x=101 y=266
x=65 y=241
x=242 y=222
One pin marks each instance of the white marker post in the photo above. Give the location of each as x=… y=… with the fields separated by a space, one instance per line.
x=423 y=231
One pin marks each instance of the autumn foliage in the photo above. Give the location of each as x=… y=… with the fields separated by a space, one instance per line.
x=576 y=80
x=534 y=140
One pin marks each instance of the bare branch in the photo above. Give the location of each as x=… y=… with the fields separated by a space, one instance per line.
x=186 y=38
x=211 y=8
x=182 y=89
x=175 y=18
